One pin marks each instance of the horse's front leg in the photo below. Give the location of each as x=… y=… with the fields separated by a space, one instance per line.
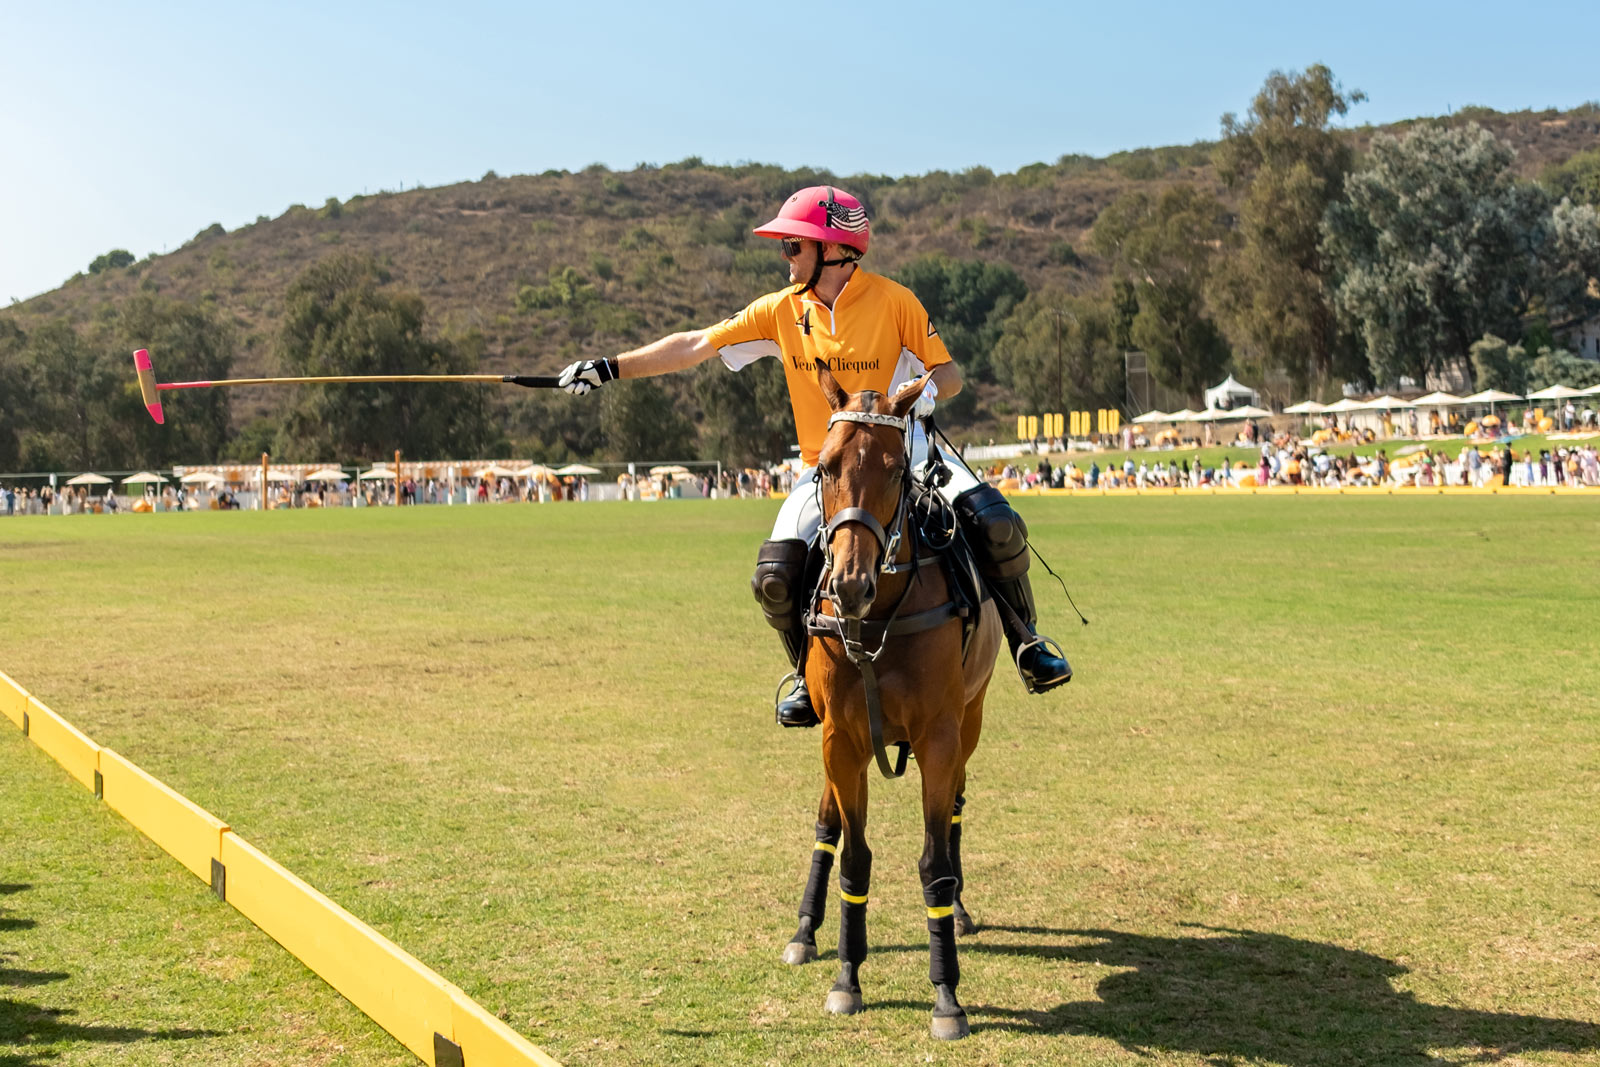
x=847 y=774
x=802 y=947
x=939 y=759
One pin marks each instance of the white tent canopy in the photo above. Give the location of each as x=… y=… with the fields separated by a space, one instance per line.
x=1182 y=415
x=143 y=477
x=1490 y=396
x=1593 y=390
x=377 y=474
x=326 y=474
x=1341 y=406
x=1249 y=411
x=577 y=468
x=495 y=470
x=1211 y=415
x=89 y=479
x=1152 y=416
x=1556 y=392
x=1387 y=403
x=1438 y=400
x=533 y=470
x=1229 y=393
x=1305 y=407
x=194 y=477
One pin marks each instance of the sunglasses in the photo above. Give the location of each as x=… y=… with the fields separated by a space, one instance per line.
x=791 y=246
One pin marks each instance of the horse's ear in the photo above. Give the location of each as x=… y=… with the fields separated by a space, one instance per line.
x=909 y=395
x=831 y=389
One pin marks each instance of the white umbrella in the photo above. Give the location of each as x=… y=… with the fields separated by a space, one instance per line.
x=494 y=470
x=1593 y=390
x=141 y=478
x=194 y=477
x=674 y=470
x=280 y=476
x=1183 y=415
x=1387 y=403
x=377 y=474
x=1249 y=411
x=1438 y=400
x=1305 y=407
x=1152 y=416
x=533 y=470
x=1490 y=396
x=89 y=479
x=1345 y=405
x=1210 y=415
x=1556 y=392
x=326 y=474
x=577 y=468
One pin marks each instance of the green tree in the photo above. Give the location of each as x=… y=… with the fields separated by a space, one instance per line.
x=1273 y=295
x=1057 y=353
x=16 y=400
x=1577 y=178
x=341 y=319
x=968 y=301
x=1498 y=365
x=187 y=343
x=1437 y=246
x=71 y=389
x=641 y=421
x=747 y=417
x=115 y=259
x=1162 y=248
x=1556 y=366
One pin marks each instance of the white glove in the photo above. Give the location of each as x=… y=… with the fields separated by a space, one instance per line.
x=587 y=374
x=923 y=408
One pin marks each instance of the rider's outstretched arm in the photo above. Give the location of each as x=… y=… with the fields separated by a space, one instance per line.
x=676 y=351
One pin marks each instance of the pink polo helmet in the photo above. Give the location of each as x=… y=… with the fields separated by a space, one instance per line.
x=822 y=213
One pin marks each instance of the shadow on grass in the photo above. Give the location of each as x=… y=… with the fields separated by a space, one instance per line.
x=27 y=1031
x=1244 y=995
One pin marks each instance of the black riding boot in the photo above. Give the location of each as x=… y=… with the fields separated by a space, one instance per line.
x=779 y=586
x=999 y=540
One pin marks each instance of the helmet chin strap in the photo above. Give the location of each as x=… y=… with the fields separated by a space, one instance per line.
x=850 y=255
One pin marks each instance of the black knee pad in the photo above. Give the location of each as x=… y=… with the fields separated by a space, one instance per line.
x=779 y=582
x=997 y=534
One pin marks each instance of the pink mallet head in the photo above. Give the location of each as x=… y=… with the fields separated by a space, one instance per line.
x=147 y=384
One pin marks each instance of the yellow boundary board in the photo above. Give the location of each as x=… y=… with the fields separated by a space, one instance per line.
x=1311 y=490
x=434 y=1019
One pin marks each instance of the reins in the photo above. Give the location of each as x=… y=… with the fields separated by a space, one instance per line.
x=849 y=631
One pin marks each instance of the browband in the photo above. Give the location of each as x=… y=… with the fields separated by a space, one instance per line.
x=870 y=419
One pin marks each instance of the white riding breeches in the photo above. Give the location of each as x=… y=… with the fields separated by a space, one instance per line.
x=801 y=514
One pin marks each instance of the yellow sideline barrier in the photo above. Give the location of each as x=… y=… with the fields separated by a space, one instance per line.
x=437 y=1021
x=192 y=835
x=63 y=743
x=401 y=995
x=13 y=699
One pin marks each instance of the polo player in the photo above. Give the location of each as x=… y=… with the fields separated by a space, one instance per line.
x=874 y=335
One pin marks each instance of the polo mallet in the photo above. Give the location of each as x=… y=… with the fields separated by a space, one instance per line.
x=151 y=389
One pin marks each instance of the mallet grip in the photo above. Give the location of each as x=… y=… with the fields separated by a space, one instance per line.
x=529 y=381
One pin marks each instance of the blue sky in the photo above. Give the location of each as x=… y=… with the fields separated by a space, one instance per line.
x=135 y=126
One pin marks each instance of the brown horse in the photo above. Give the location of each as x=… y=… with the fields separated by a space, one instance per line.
x=885 y=619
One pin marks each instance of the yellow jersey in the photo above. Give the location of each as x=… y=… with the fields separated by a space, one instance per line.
x=876 y=336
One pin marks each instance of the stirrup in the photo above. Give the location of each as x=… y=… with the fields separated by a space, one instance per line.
x=792 y=682
x=1050 y=646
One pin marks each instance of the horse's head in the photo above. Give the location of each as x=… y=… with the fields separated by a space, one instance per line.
x=861 y=473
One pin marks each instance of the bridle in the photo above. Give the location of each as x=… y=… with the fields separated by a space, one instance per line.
x=849 y=631
x=888 y=540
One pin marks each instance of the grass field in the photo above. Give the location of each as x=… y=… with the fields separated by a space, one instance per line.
x=1323 y=791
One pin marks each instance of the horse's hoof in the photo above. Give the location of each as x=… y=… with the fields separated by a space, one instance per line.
x=844 y=1002
x=951 y=1028
x=965 y=923
x=798 y=952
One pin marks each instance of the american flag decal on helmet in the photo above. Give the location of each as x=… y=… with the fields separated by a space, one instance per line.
x=849 y=219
